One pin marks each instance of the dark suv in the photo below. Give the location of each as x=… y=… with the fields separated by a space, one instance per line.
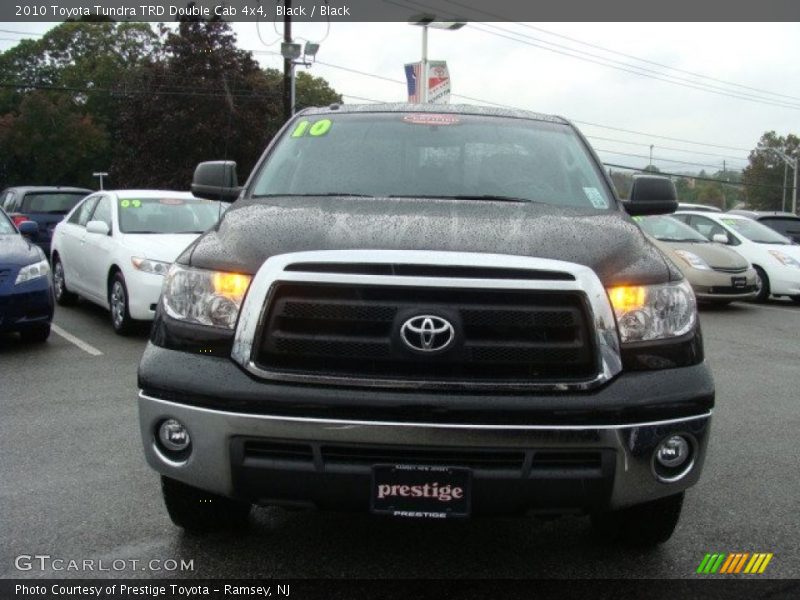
x=44 y=205
x=427 y=312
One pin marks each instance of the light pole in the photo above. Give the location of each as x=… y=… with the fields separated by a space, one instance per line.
x=100 y=175
x=792 y=162
x=291 y=52
x=651 y=154
x=426 y=21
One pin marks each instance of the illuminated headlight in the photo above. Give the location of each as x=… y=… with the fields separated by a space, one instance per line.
x=693 y=260
x=34 y=271
x=204 y=297
x=157 y=267
x=653 y=312
x=784 y=259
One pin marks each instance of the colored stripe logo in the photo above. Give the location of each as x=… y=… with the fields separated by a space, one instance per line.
x=734 y=563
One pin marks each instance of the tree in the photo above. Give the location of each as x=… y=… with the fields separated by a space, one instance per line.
x=763 y=177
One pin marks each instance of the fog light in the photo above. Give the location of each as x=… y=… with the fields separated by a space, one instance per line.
x=673 y=452
x=173 y=435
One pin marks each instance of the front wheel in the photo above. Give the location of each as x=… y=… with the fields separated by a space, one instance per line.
x=121 y=319
x=647 y=524
x=63 y=296
x=762 y=285
x=197 y=511
x=35 y=335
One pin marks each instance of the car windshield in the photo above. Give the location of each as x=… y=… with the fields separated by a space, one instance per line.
x=667 y=229
x=426 y=155
x=51 y=202
x=5 y=225
x=755 y=231
x=167 y=215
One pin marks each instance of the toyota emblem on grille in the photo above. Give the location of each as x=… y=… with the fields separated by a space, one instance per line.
x=427 y=333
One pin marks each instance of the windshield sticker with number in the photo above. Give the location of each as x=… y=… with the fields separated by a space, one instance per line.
x=315 y=129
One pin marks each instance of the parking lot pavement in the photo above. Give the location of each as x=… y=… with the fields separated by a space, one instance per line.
x=75 y=484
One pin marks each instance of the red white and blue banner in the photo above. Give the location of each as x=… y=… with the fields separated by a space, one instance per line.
x=438 y=82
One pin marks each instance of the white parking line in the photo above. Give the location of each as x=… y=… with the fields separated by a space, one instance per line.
x=88 y=348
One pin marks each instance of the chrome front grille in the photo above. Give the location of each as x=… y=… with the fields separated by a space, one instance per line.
x=333 y=317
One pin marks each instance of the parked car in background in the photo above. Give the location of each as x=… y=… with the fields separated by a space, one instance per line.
x=115 y=247
x=785 y=223
x=717 y=273
x=44 y=205
x=774 y=257
x=698 y=207
x=26 y=288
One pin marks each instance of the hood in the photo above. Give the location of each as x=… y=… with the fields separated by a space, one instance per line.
x=608 y=242
x=17 y=251
x=158 y=246
x=716 y=255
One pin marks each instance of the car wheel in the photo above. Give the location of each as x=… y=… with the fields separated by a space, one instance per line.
x=63 y=296
x=197 y=511
x=121 y=319
x=647 y=524
x=36 y=335
x=762 y=285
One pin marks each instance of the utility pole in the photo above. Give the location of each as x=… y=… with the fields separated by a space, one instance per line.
x=100 y=175
x=423 y=90
x=288 y=67
x=783 y=197
x=793 y=163
x=651 y=155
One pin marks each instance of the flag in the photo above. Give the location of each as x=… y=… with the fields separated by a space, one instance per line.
x=438 y=82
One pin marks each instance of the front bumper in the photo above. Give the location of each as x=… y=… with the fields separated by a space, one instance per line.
x=716 y=286
x=784 y=281
x=29 y=304
x=224 y=408
x=144 y=290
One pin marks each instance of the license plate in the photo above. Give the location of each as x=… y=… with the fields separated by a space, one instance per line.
x=421 y=491
x=739 y=282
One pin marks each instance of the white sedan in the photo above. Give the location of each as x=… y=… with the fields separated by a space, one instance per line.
x=775 y=258
x=115 y=247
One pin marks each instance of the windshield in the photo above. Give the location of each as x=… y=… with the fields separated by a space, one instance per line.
x=167 y=215
x=755 y=231
x=434 y=155
x=667 y=229
x=5 y=224
x=51 y=202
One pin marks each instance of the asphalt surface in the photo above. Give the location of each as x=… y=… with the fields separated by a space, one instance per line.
x=75 y=485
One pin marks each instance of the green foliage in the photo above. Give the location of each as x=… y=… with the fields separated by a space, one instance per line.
x=146 y=105
x=764 y=175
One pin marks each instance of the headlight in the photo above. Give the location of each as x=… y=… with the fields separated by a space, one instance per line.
x=653 y=312
x=204 y=297
x=34 y=271
x=693 y=260
x=157 y=267
x=784 y=259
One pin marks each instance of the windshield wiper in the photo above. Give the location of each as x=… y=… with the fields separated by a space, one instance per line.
x=321 y=195
x=489 y=197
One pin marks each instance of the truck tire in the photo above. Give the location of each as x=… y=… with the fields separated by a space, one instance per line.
x=647 y=524
x=197 y=511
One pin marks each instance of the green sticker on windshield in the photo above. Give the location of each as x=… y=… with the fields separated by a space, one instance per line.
x=316 y=129
x=136 y=203
x=730 y=222
x=637 y=219
x=125 y=203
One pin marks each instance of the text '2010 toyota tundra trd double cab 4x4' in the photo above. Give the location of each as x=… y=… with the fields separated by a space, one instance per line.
x=427 y=312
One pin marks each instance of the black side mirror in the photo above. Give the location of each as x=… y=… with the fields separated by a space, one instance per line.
x=216 y=180
x=652 y=195
x=28 y=229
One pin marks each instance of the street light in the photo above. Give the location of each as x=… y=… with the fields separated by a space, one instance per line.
x=292 y=51
x=792 y=162
x=426 y=21
x=100 y=175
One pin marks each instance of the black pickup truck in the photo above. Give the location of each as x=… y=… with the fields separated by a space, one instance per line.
x=427 y=311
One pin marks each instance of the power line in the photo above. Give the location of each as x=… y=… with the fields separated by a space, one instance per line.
x=645 y=145
x=680 y=162
x=641 y=71
x=696 y=178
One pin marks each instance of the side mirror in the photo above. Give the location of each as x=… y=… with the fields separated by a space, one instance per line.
x=216 y=180
x=652 y=195
x=720 y=238
x=28 y=229
x=98 y=227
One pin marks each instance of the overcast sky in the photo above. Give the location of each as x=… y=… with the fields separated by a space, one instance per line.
x=484 y=65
